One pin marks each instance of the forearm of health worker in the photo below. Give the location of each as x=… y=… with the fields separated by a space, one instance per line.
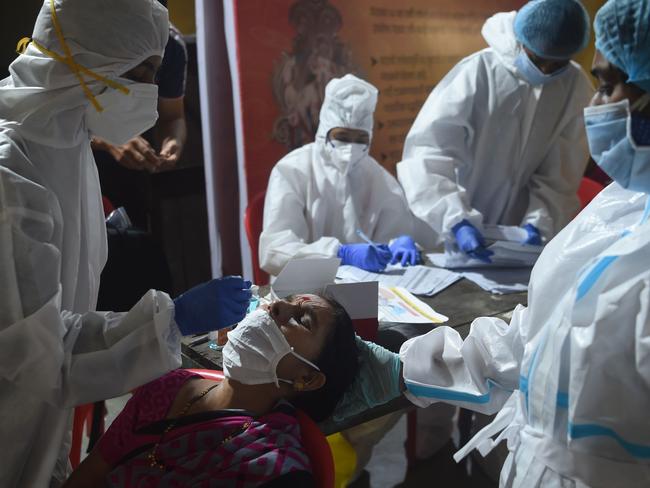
x=435 y=147
x=554 y=185
x=62 y=357
x=478 y=373
x=286 y=231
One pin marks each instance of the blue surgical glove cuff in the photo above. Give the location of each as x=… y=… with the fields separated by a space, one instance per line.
x=371 y=257
x=534 y=238
x=470 y=241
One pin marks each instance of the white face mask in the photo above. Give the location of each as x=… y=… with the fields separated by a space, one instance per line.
x=124 y=116
x=346 y=155
x=254 y=349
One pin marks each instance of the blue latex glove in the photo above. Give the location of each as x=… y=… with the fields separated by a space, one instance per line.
x=378 y=381
x=471 y=242
x=405 y=251
x=371 y=257
x=212 y=305
x=534 y=238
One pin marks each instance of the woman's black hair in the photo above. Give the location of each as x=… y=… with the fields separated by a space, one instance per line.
x=338 y=361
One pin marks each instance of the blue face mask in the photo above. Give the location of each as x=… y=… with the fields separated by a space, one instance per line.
x=531 y=73
x=619 y=142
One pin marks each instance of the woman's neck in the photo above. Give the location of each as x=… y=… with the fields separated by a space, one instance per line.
x=257 y=399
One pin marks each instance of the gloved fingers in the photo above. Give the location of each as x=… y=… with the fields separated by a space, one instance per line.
x=233 y=282
x=409 y=258
x=397 y=254
x=240 y=295
x=383 y=253
x=481 y=254
x=235 y=312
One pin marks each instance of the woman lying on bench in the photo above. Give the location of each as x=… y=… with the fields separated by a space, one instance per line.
x=184 y=430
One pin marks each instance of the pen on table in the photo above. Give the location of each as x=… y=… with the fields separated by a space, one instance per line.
x=363 y=236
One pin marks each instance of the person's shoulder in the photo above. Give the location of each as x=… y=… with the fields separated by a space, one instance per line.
x=299 y=159
x=468 y=72
x=369 y=167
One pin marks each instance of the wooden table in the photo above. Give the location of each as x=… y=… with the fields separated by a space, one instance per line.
x=462 y=302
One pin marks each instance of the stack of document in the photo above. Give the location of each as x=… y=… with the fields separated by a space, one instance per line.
x=506 y=255
x=419 y=280
x=505 y=242
x=499 y=281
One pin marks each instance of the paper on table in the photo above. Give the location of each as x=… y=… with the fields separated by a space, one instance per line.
x=506 y=254
x=500 y=281
x=398 y=305
x=510 y=233
x=420 y=280
x=305 y=276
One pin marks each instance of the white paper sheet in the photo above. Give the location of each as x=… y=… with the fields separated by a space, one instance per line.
x=398 y=305
x=305 y=276
x=500 y=281
x=419 y=280
x=510 y=233
x=506 y=255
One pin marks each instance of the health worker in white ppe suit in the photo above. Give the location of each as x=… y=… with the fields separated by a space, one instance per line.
x=570 y=375
x=500 y=140
x=321 y=194
x=87 y=70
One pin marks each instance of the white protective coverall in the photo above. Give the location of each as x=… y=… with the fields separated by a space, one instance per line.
x=313 y=205
x=489 y=147
x=55 y=351
x=570 y=375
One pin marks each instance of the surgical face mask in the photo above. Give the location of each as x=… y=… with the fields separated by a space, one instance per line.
x=254 y=349
x=531 y=73
x=124 y=116
x=346 y=155
x=619 y=142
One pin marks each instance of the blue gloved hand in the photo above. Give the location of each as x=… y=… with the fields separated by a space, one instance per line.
x=405 y=251
x=212 y=305
x=373 y=257
x=534 y=238
x=471 y=242
x=378 y=381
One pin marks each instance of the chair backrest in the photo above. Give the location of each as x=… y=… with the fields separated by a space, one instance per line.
x=313 y=440
x=254 y=223
x=588 y=190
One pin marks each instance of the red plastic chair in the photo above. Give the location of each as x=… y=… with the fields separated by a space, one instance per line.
x=313 y=440
x=82 y=419
x=254 y=223
x=588 y=190
x=108 y=206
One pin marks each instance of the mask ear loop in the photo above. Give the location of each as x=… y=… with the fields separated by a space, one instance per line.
x=297 y=384
x=77 y=69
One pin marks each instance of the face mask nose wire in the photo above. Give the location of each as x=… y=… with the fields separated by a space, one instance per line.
x=68 y=60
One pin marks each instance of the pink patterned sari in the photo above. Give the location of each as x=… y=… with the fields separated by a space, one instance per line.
x=206 y=449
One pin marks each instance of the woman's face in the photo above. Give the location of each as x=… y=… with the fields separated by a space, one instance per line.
x=612 y=85
x=306 y=322
x=145 y=72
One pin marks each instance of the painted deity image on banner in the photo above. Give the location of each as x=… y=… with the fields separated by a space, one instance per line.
x=299 y=77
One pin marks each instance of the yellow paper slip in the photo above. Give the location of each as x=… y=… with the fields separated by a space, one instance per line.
x=396 y=304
